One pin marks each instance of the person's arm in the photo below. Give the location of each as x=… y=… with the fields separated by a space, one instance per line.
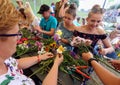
x=107 y=77
x=64 y=41
x=51 y=78
x=50 y=33
x=63 y=9
x=108 y=47
x=53 y=26
x=24 y=63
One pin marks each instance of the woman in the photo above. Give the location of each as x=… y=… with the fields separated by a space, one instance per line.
x=67 y=27
x=93 y=31
x=10 y=68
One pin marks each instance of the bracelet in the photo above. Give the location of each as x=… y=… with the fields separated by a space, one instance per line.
x=38 y=58
x=90 y=60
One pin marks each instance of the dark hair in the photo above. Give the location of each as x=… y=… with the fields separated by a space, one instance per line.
x=78 y=18
x=96 y=9
x=72 y=10
x=43 y=8
x=52 y=3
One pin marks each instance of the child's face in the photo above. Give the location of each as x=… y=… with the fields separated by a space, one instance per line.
x=68 y=19
x=94 y=20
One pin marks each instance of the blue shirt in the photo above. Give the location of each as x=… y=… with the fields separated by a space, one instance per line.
x=47 y=25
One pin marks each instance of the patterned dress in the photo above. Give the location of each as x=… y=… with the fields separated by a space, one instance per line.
x=14 y=76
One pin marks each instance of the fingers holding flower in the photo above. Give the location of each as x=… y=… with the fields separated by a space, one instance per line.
x=88 y=42
x=46 y=56
x=87 y=56
x=78 y=41
x=58 y=59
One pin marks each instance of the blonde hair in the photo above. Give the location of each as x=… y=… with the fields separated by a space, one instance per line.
x=28 y=10
x=96 y=9
x=9 y=16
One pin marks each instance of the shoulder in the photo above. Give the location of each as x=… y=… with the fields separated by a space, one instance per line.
x=53 y=18
x=79 y=28
x=42 y=19
x=101 y=30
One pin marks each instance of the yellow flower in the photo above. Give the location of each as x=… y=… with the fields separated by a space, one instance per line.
x=59 y=32
x=53 y=44
x=60 y=49
x=119 y=55
x=26 y=42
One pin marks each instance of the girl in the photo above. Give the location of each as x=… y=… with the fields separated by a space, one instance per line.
x=93 y=31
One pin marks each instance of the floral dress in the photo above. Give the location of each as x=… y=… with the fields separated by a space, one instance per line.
x=14 y=76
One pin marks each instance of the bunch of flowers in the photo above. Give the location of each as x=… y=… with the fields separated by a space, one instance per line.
x=82 y=44
x=28 y=43
x=57 y=35
x=52 y=45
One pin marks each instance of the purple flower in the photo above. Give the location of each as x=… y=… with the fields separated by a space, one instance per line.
x=38 y=44
x=56 y=37
x=74 y=55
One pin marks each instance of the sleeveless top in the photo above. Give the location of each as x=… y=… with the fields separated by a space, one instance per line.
x=14 y=76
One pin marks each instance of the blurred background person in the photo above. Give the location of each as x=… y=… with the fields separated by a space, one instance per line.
x=48 y=23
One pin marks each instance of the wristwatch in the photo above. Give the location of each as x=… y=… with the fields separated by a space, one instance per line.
x=90 y=60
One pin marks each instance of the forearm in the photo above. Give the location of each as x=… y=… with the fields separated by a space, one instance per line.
x=62 y=11
x=48 y=33
x=24 y=63
x=65 y=41
x=51 y=78
x=110 y=49
x=106 y=76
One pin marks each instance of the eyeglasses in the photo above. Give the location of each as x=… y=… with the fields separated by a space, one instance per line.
x=19 y=35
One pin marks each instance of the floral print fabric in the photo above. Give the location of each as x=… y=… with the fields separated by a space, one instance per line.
x=14 y=76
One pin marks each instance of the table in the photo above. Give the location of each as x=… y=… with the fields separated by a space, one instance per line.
x=64 y=78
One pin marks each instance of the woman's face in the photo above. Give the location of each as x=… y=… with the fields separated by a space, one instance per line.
x=8 y=46
x=68 y=19
x=94 y=20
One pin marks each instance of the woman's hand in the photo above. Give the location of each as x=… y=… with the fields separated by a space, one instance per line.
x=87 y=56
x=58 y=59
x=46 y=56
